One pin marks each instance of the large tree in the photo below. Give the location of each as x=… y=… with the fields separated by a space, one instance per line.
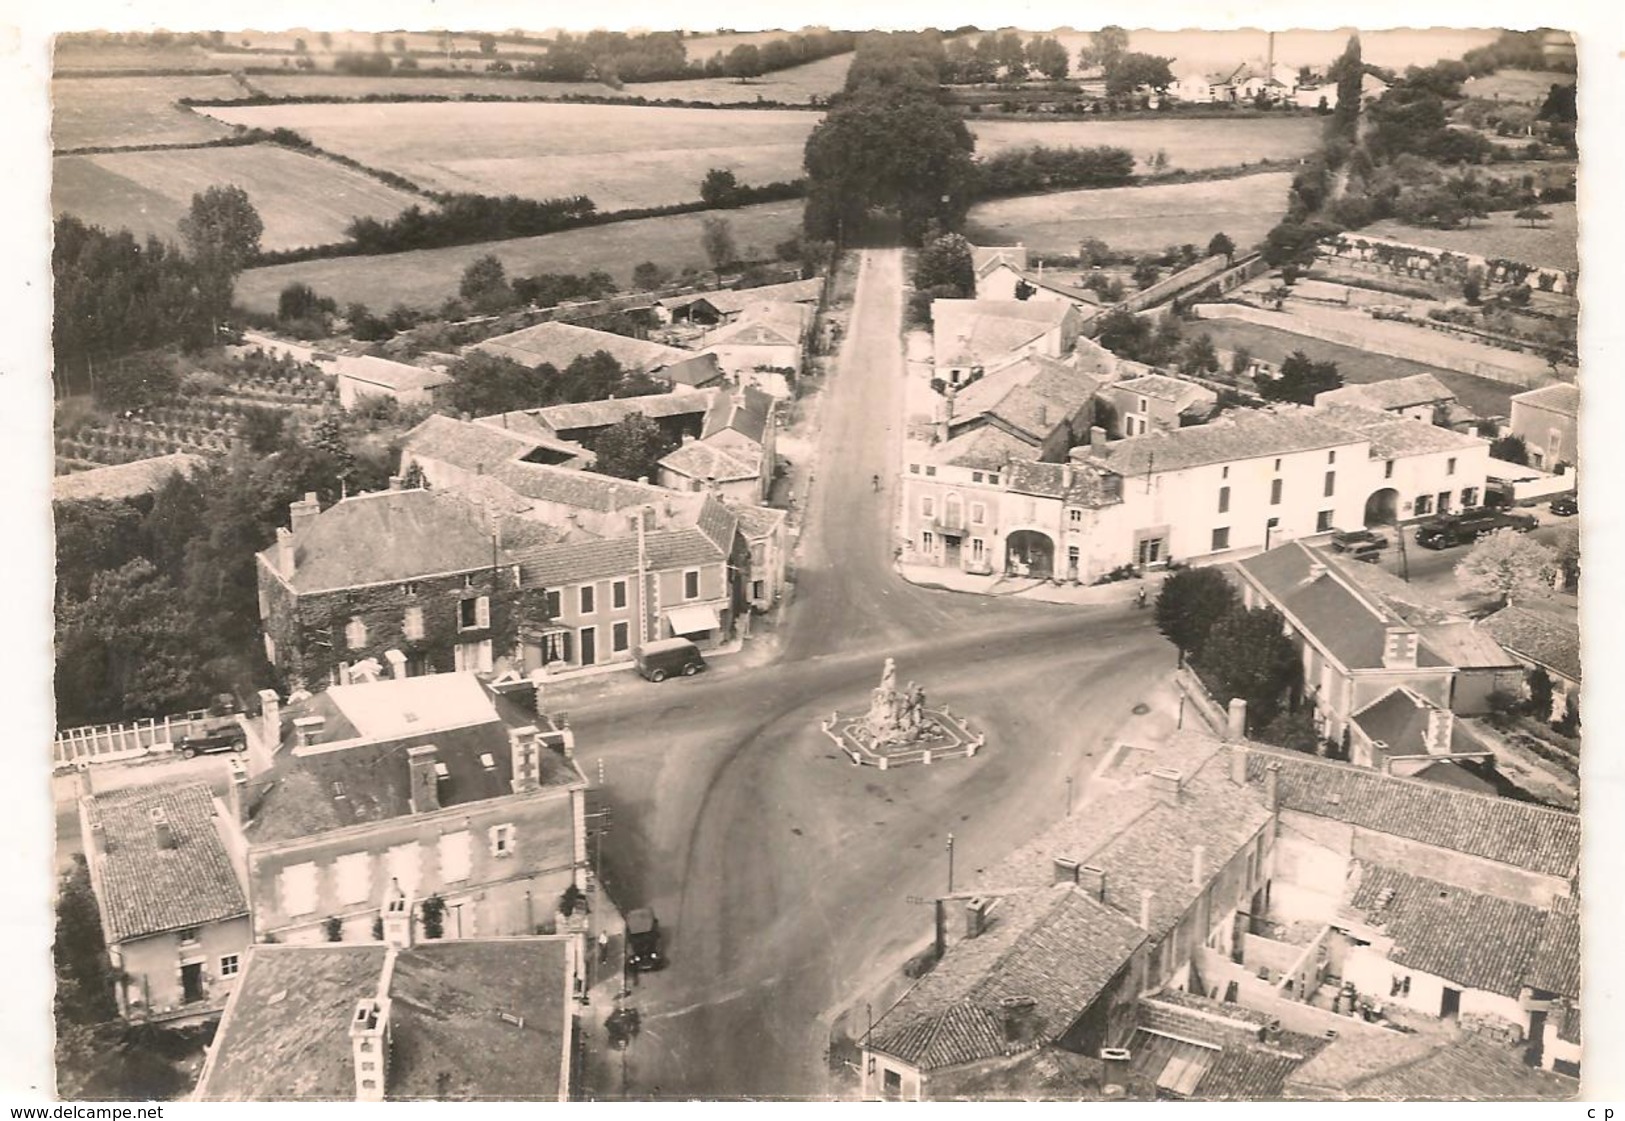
x=485 y=285
x=1105 y=47
x=717 y=238
x=1247 y=655
x=1300 y=380
x=1046 y=55
x=631 y=448
x=720 y=188
x=1192 y=600
x=1134 y=71
x=484 y=384
x=222 y=234
x=1507 y=563
x=1510 y=449
x=946 y=261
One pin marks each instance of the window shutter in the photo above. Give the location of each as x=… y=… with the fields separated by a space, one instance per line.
x=482 y=611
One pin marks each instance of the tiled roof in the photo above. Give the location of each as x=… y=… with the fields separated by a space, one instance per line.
x=1561 y=398
x=1538 y=636
x=1240 y=435
x=1143 y=843
x=559 y=344
x=385 y=536
x=744 y=411
x=464 y=443
x=1556 y=967
x=1471 y=1067
x=1398 y=719
x=1464 y=644
x=718 y=523
x=391 y=375
x=763 y=324
x=1396 y=393
x=285 y=1034
x=985 y=258
x=1474 y=940
x=1049 y=282
x=1054 y=946
x=144 y=888
x=1519 y=834
x=601 y=414
x=700 y=371
x=1165 y=388
x=122 y=480
x=987 y=447
x=758 y=521
x=1353 y=1056
x=1413 y=603
x=1568 y=1024
x=707 y=540
x=1351 y=626
x=1393 y=436
x=1074 y=484
x=731 y=301
x=584 y=490
x=699 y=460
x=981 y=340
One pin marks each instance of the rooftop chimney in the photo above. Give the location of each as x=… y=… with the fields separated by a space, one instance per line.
x=1399 y=648
x=163 y=832
x=270 y=719
x=1114 y=1076
x=1167 y=782
x=1441 y=723
x=1097 y=438
x=976 y=916
x=1019 y=1017
x=1272 y=785
x=527 y=758
x=397 y=663
x=237 y=791
x=1146 y=897
x=303 y=512
x=1238 y=765
x=1066 y=871
x=1093 y=881
x=98 y=838
x=1066 y=476
x=1198 y=866
x=369 y=1047
x=397 y=917
x=309 y=729
x=1317 y=569
x=395 y=482
x=1235 y=724
x=425 y=783
x=284 y=551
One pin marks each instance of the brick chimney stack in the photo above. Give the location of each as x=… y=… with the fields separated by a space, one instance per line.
x=1441 y=724
x=1399 y=648
x=1097 y=439
x=397 y=663
x=369 y=1048
x=1235 y=724
x=527 y=758
x=285 y=557
x=162 y=830
x=270 y=719
x=1093 y=881
x=303 y=512
x=395 y=482
x=237 y=791
x=1238 y=765
x=976 y=916
x=1065 y=871
x=309 y=729
x=1272 y=786
x=425 y=782
x=1167 y=782
x=397 y=917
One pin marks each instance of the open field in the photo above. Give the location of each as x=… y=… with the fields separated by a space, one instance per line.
x=1555 y=244
x=1190 y=144
x=1529 y=86
x=1137 y=218
x=1484 y=396
x=793 y=86
x=619 y=156
x=328 y=84
x=1220 y=50
x=427 y=277
x=118 y=56
x=127 y=111
x=303 y=200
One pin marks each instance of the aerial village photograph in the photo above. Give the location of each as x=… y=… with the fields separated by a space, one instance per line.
x=811 y=563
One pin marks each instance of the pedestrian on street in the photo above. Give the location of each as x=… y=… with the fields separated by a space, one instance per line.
x=603 y=947
x=1139 y=597
x=877 y=484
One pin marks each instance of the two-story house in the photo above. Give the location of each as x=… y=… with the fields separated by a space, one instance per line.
x=404 y=569
x=973 y=337
x=434 y=784
x=1547 y=420
x=736 y=451
x=1137 y=405
x=1420 y=397
x=167 y=871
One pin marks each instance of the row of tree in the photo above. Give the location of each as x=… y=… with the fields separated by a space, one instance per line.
x=1038 y=168
x=464 y=218
x=1003 y=56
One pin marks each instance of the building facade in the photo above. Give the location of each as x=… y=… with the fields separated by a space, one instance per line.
x=1547 y=421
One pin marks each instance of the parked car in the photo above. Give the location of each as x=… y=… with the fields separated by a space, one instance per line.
x=657 y=661
x=212 y=742
x=1565 y=505
x=1369 y=552
x=643 y=941
x=1459 y=529
x=1357 y=540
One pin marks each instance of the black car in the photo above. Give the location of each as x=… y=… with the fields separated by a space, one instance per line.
x=1459 y=529
x=1358 y=541
x=643 y=941
x=212 y=742
x=1565 y=505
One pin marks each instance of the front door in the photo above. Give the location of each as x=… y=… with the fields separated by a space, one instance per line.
x=589 y=646
x=192 y=982
x=1450 y=1005
x=1444 y=502
x=1150 y=551
x=950 y=550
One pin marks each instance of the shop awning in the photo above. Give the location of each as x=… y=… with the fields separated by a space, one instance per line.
x=693 y=620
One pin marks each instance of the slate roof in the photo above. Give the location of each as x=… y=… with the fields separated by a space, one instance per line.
x=700 y=460
x=1396 y=393
x=1538 y=636
x=1393 y=436
x=698 y=372
x=285 y=1033
x=1143 y=843
x=744 y=411
x=1560 y=398
x=387 y=536
x=1352 y=627
x=1468 y=1066
x=145 y=889
x=1054 y=946
x=1239 y=435
x=391 y=375
x=122 y=480
x=1520 y=834
x=988 y=447
x=1556 y=966
x=1471 y=939
x=1398 y=719
x=559 y=344
x=1087 y=486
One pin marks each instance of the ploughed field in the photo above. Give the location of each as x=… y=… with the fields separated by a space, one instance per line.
x=1137 y=218
x=619 y=156
x=427 y=277
x=303 y=200
x=124 y=112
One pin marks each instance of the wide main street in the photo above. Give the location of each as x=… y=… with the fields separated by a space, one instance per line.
x=781 y=873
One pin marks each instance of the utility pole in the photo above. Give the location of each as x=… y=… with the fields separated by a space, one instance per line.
x=950 y=863
x=1069 y=795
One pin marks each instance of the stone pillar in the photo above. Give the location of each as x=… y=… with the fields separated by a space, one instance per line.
x=270 y=719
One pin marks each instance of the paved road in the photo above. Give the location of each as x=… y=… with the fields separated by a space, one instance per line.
x=780 y=872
